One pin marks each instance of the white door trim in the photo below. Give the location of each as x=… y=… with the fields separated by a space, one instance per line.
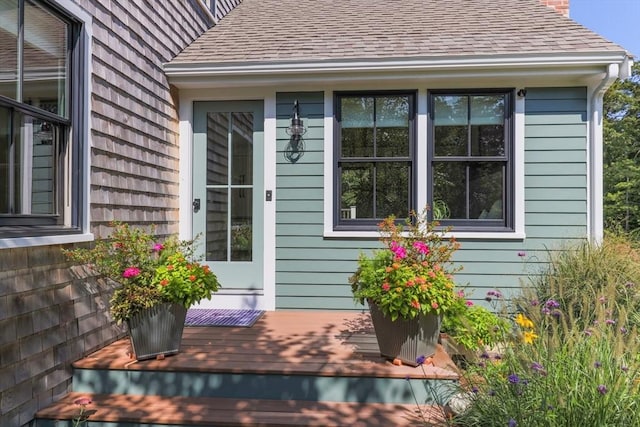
x=232 y=299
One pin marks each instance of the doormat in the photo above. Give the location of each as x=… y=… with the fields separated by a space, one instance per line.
x=222 y=317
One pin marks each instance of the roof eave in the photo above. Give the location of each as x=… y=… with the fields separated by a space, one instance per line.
x=581 y=62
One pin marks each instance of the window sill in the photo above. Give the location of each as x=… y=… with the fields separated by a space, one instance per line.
x=61 y=239
x=462 y=235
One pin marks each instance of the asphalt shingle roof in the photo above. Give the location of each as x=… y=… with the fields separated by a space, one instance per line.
x=312 y=30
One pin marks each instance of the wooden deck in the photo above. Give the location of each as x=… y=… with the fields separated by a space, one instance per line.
x=294 y=344
x=322 y=343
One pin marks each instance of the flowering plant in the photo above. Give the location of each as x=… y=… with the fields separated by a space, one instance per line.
x=412 y=274
x=150 y=272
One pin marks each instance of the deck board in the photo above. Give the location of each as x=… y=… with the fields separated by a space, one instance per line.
x=233 y=412
x=324 y=343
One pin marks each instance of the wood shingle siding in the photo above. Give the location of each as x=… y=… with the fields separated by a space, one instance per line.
x=50 y=314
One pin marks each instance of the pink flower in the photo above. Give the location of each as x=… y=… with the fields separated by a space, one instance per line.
x=158 y=247
x=131 y=272
x=469 y=303
x=434 y=305
x=398 y=250
x=386 y=286
x=421 y=247
x=82 y=401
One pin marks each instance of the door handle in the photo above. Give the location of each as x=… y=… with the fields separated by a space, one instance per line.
x=196 y=205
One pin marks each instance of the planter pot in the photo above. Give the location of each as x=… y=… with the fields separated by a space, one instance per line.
x=157 y=331
x=405 y=340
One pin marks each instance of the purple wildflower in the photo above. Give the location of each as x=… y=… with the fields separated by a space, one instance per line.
x=474 y=390
x=588 y=332
x=522 y=254
x=420 y=359
x=537 y=367
x=545 y=310
x=512 y=423
x=629 y=285
x=513 y=379
x=534 y=302
x=484 y=355
x=552 y=304
x=556 y=313
x=597 y=364
x=602 y=389
x=624 y=368
x=623 y=330
x=602 y=299
x=610 y=322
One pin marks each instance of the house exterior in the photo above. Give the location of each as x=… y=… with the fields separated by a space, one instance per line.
x=177 y=114
x=491 y=115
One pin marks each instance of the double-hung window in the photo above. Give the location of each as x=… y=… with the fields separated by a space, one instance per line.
x=467 y=159
x=40 y=111
x=374 y=157
x=471 y=167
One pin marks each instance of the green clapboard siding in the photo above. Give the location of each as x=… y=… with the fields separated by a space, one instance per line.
x=312 y=272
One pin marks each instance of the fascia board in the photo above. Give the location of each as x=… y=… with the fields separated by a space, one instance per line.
x=177 y=69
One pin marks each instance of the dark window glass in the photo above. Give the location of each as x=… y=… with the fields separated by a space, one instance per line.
x=40 y=150
x=374 y=161
x=471 y=165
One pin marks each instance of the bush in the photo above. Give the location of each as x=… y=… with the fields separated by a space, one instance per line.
x=572 y=356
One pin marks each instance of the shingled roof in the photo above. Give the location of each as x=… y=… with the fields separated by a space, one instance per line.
x=261 y=31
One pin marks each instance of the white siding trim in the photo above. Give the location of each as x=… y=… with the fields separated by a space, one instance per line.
x=518 y=167
x=328 y=163
x=269 y=226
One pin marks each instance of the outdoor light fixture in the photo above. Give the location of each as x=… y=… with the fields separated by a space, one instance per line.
x=522 y=93
x=295 y=148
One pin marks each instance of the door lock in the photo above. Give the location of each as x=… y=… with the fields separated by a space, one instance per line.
x=196 y=205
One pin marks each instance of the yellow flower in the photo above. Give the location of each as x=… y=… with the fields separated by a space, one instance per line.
x=529 y=336
x=523 y=321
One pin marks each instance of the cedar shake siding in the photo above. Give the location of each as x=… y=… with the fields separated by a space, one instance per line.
x=50 y=314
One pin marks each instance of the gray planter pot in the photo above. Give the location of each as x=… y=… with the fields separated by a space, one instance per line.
x=157 y=331
x=405 y=339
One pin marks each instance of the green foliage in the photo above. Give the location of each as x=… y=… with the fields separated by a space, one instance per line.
x=412 y=274
x=610 y=270
x=622 y=153
x=572 y=356
x=475 y=327
x=150 y=272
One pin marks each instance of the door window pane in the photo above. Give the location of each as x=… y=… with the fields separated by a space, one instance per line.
x=217 y=220
x=241 y=224
x=242 y=148
x=217 y=148
x=9 y=48
x=45 y=54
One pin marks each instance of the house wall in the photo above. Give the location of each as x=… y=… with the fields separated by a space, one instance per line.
x=50 y=314
x=312 y=271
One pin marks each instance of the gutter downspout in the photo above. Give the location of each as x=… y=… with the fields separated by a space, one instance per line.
x=595 y=222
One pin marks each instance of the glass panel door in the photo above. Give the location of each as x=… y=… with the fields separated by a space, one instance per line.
x=228 y=189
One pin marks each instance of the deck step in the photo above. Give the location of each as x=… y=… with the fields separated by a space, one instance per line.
x=116 y=410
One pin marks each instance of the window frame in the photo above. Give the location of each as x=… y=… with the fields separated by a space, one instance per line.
x=70 y=189
x=508 y=197
x=370 y=224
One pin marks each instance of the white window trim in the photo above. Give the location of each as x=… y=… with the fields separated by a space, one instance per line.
x=422 y=112
x=71 y=8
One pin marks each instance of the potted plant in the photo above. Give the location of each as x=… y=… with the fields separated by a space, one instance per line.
x=159 y=281
x=408 y=285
